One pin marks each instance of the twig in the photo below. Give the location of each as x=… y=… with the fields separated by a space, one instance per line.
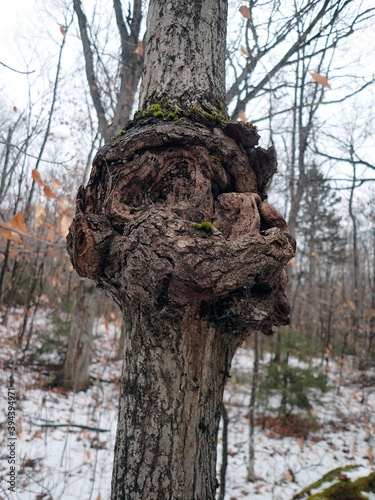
x=16 y=70
x=55 y=426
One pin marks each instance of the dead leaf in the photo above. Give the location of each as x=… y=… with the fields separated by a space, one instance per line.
x=242 y=116
x=85 y=433
x=118 y=323
x=39 y=213
x=49 y=193
x=10 y=235
x=322 y=80
x=370 y=455
x=288 y=477
x=106 y=325
x=63 y=225
x=15 y=109
x=99 y=497
x=50 y=232
x=18 y=224
x=88 y=454
x=245 y=11
x=37 y=435
x=139 y=49
x=56 y=184
x=352 y=305
x=1 y=257
x=63 y=30
x=244 y=51
x=37 y=178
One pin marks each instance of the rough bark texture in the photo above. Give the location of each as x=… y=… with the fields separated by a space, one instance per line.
x=76 y=366
x=190 y=295
x=185 y=49
x=172 y=226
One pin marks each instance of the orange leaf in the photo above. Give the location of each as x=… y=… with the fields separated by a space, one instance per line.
x=49 y=193
x=85 y=433
x=352 y=305
x=63 y=225
x=36 y=177
x=99 y=497
x=139 y=49
x=6 y=231
x=117 y=322
x=288 y=477
x=244 y=51
x=245 y=11
x=242 y=116
x=322 y=80
x=62 y=30
x=88 y=454
x=18 y=224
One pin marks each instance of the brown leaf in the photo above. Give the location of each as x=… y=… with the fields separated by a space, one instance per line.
x=242 y=116
x=15 y=109
x=10 y=235
x=85 y=433
x=50 y=232
x=370 y=455
x=88 y=454
x=99 y=497
x=1 y=257
x=18 y=224
x=245 y=11
x=37 y=178
x=322 y=80
x=63 y=30
x=139 y=49
x=244 y=51
x=63 y=225
x=56 y=184
x=288 y=477
x=39 y=213
x=49 y=193
x=352 y=305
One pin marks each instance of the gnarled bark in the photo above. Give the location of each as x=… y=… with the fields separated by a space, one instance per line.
x=173 y=227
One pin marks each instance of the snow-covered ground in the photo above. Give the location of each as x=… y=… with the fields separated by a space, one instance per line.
x=65 y=441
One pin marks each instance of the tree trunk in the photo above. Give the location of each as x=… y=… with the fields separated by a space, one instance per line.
x=171 y=225
x=76 y=366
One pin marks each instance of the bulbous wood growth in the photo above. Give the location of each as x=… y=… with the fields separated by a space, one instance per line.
x=173 y=227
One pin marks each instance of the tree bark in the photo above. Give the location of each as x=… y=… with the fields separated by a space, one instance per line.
x=76 y=366
x=171 y=225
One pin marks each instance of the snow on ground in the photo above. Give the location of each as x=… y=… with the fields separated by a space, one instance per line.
x=65 y=441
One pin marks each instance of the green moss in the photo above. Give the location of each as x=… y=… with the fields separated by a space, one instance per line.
x=115 y=143
x=251 y=126
x=341 y=490
x=208 y=118
x=122 y=132
x=206 y=227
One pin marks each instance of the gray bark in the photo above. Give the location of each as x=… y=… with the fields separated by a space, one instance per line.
x=76 y=366
x=185 y=51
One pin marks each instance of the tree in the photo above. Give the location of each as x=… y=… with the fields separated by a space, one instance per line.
x=172 y=226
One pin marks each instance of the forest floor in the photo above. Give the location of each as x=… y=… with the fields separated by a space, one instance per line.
x=65 y=441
